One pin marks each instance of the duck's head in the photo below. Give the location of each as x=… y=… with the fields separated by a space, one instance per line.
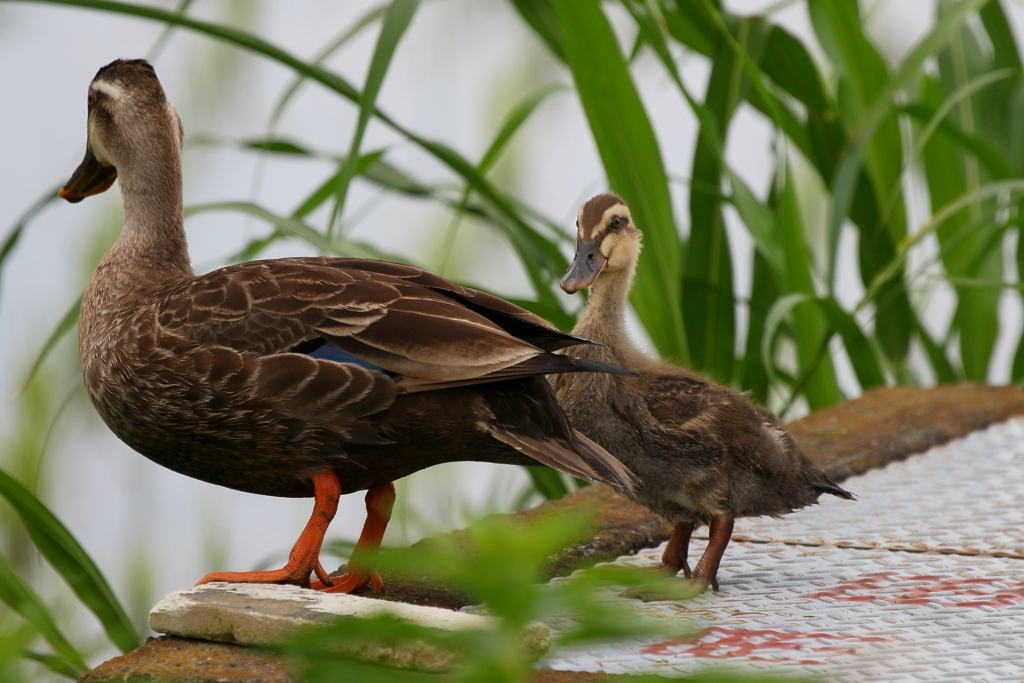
x=606 y=240
x=129 y=118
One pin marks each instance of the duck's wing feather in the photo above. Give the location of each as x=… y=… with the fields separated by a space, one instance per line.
x=515 y=320
x=397 y=323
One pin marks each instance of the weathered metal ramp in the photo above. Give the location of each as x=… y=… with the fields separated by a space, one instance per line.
x=922 y=579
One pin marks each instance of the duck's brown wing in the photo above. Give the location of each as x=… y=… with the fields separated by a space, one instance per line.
x=515 y=320
x=395 y=323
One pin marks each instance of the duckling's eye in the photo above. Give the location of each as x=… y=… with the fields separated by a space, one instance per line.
x=615 y=223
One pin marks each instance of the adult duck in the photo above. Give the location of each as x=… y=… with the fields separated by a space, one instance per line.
x=303 y=376
x=704 y=454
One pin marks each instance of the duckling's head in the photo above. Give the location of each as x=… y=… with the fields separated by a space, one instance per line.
x=606 y=241
x=129 y=120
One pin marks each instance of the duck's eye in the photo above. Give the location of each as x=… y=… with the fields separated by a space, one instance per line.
x=615 y=223
x=92 y=99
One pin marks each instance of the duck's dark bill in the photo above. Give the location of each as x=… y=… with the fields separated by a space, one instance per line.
x=91 y=177
x=585 y=268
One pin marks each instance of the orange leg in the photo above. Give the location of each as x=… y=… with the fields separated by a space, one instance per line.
x=678 y=548
x=706 y=571
x=362 y=566
x=304 y=557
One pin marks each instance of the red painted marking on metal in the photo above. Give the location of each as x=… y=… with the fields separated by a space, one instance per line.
x=746 y=642
x=927 y=588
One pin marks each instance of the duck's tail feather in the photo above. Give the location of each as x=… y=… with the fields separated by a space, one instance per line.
x=614 y=473
x=541 y=364
x=586 y=460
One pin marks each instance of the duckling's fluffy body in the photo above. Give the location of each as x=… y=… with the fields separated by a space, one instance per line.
x=704 y=454
x=698 y=448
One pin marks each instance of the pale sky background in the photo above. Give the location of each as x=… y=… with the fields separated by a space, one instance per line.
x=459 y=70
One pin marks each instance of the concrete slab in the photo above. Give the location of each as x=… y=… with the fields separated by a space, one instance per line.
x=254 y=614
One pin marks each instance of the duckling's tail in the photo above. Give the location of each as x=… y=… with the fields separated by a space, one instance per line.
x=826 y=485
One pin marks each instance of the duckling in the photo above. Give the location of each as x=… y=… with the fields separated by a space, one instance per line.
x=704 y=454
x=299 y=377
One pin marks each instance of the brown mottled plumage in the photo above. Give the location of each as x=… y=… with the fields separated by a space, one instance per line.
x=240 y=377
x=703 y=454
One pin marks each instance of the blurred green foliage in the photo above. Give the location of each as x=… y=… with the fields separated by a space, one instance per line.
x=853 y=133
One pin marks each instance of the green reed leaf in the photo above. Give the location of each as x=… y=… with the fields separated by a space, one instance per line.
x=68 y=322
x=396 y=21
x=20 y=597
x=65 y=555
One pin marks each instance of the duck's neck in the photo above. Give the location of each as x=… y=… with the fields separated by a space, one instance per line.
x=604 y=318
x=152 y=247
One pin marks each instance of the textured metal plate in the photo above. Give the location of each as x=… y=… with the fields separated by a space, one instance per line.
x=831 y=590
x=966 y=496
x=848 y=615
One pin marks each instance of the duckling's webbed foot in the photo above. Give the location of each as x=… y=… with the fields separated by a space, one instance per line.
x=720 y=532
x=362 y=566
x=303 y=560
x=675 y=555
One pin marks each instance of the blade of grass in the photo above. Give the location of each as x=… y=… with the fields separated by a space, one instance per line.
x=22 y=223
x=295 y=228
x=71 y=561
x=875 y=146
x=67 y=323
x=513 y=122
x=548 y=482
x=845 y=180
x=976 y=315
x=348 y=34
x=985 y=191
x=1001 y=114
x=764 y=292
x=858 y=347
x=54 y=663
x=991 y=157
x=944 y=371
x=396 y=21
x=810 y=324
x=20 y=597
x=708 y=309
x=541 y=16
x=777 y=314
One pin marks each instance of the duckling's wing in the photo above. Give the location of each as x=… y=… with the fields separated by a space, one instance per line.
x=396 y=324
x=682 y=399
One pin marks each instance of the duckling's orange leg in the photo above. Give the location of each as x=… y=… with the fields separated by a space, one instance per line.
x=304 y=557
x=362 y=566
x=706 y=571
x=678 y=548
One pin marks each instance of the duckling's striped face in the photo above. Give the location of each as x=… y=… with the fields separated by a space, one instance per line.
x=128 y=114
x=606 y=240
